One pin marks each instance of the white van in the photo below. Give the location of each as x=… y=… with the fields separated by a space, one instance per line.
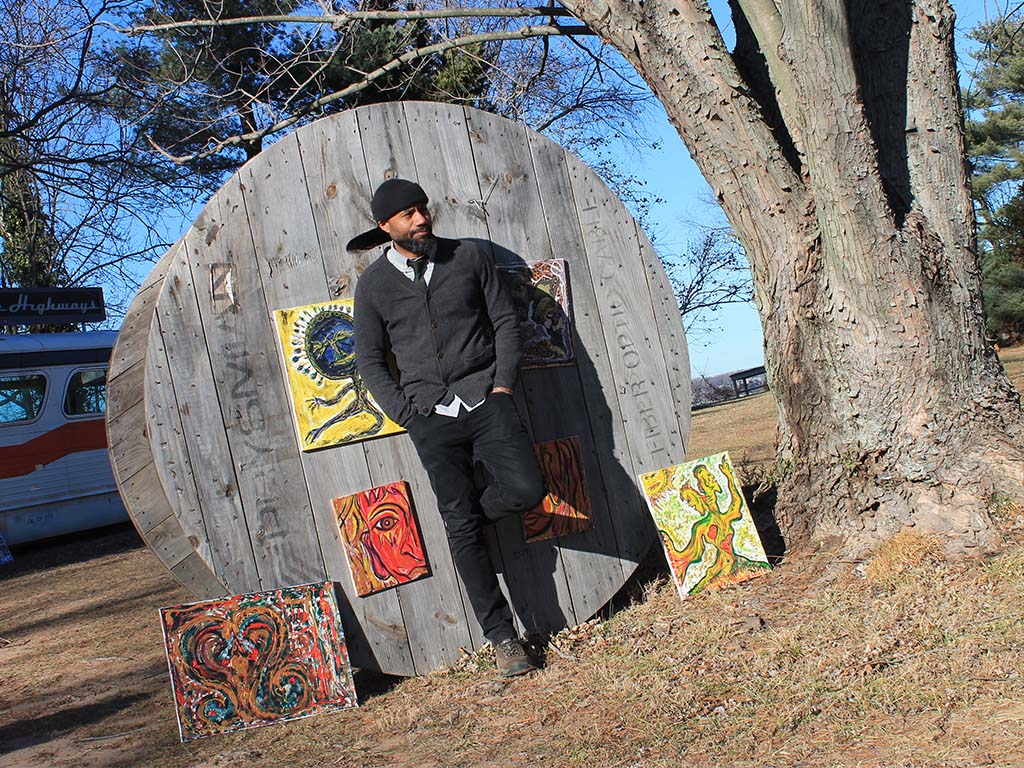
x=55 y=474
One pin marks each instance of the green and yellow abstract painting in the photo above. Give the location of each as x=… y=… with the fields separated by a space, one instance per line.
x=704 y=523
x=331 y=403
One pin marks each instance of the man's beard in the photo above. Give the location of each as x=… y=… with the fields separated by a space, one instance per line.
x=421 y=246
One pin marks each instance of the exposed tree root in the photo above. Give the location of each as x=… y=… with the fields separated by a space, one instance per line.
x=863 y=504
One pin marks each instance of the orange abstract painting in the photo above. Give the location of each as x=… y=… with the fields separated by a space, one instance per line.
x=566 y=508
x=381 y=538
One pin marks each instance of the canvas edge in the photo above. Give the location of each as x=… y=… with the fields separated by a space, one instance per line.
x=170 y=679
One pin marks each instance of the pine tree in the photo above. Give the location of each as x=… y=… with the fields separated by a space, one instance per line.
x=30 y=256
x=995 y=137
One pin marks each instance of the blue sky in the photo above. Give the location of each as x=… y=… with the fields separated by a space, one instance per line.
x=673 y=176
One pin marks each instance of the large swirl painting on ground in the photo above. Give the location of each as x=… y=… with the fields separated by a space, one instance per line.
x=332 y=405
x=705 y=526
x=251 y=660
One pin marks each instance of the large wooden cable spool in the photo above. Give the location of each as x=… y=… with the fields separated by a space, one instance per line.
x=199 y=420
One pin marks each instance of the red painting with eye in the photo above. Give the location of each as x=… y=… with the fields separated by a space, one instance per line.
x=381 y=538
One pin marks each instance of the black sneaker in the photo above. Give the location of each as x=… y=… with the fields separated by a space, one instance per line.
x=512 y=659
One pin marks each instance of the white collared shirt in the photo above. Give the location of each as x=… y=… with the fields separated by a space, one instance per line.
x=401 y=263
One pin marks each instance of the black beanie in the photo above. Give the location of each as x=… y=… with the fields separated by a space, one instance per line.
x=392 y=196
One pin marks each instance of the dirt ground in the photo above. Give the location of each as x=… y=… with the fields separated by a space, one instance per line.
x=80 y=683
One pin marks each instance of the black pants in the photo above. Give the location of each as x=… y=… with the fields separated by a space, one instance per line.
x=492 y=435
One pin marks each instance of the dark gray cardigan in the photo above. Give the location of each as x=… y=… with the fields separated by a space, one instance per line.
x=459 y=334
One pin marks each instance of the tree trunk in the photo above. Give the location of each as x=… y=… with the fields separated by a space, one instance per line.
x=833 y=139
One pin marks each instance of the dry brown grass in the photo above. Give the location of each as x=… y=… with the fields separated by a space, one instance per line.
x=891 y=561
x=1013 y=361
x=746 y=428
x=905 y=659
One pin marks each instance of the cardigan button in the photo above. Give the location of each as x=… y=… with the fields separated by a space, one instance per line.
x=440 y=355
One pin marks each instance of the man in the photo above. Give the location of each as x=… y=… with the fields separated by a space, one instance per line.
x=441 y=309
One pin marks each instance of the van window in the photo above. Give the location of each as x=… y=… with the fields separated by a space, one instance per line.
x=21 y=397
x=87 y=393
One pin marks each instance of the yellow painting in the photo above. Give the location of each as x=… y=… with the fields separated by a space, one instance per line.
x=332 y=405
x=704 y=524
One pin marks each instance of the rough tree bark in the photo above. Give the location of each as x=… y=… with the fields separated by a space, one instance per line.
x=832 y=137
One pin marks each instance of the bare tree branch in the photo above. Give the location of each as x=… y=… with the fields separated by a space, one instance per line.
x=339 y=19
x=393 y=65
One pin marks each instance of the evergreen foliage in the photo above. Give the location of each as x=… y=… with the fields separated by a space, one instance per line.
x=995 y=138
x=30 y=254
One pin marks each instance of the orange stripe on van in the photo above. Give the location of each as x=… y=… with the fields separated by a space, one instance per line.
x=73 y=437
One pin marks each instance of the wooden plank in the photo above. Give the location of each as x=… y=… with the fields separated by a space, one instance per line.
x=252 y=395
x=167 y=438
x=169 y=542
x=671 y=335
x=133 y=337
x=385 y=153
x=194 y=574
x=537 y=573
x=387 y=150
x=634 y=532
x=126 y=389
x=129 y=442
x=437 y=613
x=388 y=153
x=154 y=519
x=445 y=170
x=617 y=270
x=630 y=521
x=626 y=512
x=427 y=607
x=145 y=500
x=288 y=253
x=437 y=609
x=159 y=271
x=202 y=433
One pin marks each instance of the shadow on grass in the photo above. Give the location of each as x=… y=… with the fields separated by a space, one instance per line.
x=371 y=684
x=22 y=734
x=71 y=548
x=94 y=610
